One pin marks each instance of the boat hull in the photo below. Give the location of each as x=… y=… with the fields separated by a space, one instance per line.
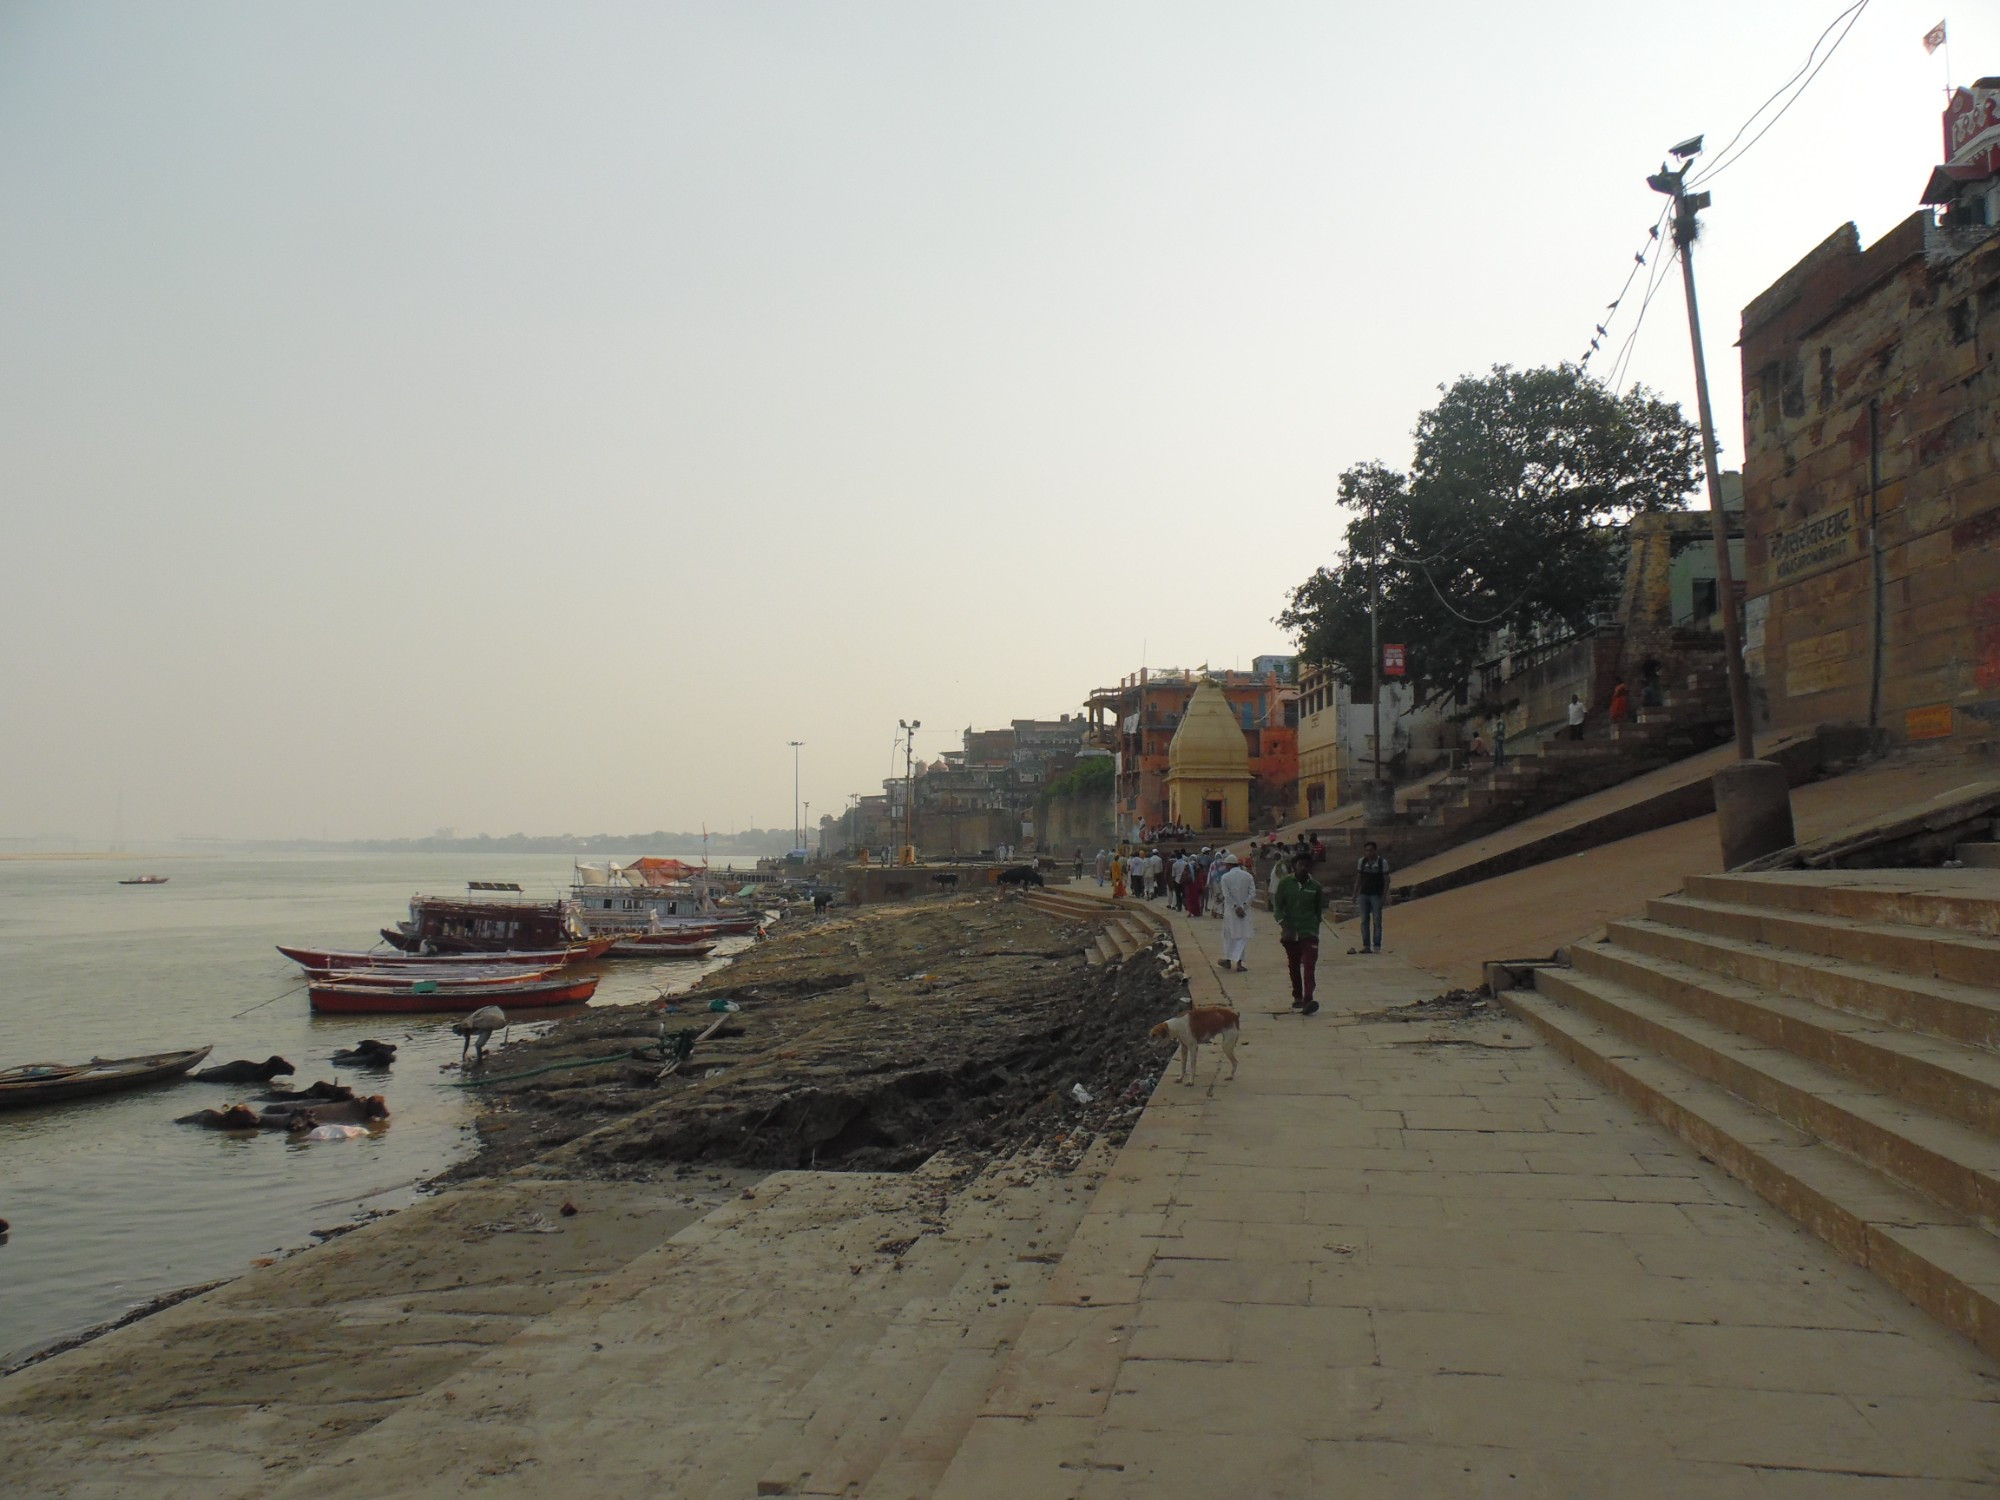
x=368 y=999
x=545 y=958
x=644 y=946
x=98 y=1076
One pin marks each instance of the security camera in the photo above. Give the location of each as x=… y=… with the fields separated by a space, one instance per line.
x=1689 y=147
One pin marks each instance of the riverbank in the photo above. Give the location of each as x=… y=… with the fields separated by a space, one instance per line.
x=867 y=1041
x=618 y=1210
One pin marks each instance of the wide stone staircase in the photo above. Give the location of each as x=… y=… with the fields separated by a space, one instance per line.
x=1831 y=1038
x=1126 y=928
x=1477 y=800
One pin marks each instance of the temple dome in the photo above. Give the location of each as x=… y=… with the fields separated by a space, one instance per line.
x=1209 y=741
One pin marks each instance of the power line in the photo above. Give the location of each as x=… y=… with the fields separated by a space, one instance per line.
x=1808 y=71
x=1727 y=157
x=1625 y=352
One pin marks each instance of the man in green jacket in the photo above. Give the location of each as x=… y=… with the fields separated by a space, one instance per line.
x=1299 y=904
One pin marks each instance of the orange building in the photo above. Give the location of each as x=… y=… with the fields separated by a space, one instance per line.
x=1136 y=721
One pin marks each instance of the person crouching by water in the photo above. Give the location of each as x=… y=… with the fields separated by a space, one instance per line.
x=1299 y=905
x=1371 y=894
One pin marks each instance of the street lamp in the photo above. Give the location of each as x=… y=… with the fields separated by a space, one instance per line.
x=795 y=791
x=909 y=729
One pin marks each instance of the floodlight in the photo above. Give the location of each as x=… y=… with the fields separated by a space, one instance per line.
x=1689 y=147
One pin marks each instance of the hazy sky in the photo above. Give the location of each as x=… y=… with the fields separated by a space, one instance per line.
x=531 y=417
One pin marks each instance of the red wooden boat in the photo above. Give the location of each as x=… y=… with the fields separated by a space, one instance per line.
x=493 y=917
x=461 y=977
x=348 y=998
x=541 y=958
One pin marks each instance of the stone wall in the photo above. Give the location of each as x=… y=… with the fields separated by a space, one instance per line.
x=1868 y=413
x=1087 y=820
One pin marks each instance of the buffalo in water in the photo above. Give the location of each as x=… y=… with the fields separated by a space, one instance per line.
x=368 y=1053
x=330 y=1093
x=241 y=1071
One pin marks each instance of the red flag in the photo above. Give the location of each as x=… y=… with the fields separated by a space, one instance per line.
x=1934 y=38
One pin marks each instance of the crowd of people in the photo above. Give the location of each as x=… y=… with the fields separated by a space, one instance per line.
x=1215 y=883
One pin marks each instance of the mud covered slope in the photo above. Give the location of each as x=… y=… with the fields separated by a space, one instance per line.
x=866 y=1043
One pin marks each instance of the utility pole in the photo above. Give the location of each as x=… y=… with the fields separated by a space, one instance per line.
x=1686 y=206
x=796 y=841
x=1753 y=799
x=1375 y=634
x=909 y=788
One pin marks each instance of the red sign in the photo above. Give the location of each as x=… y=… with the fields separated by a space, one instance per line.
x=1392 y=661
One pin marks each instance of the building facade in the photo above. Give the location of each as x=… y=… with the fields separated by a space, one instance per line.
x=1872 y=501
x=1136 y=720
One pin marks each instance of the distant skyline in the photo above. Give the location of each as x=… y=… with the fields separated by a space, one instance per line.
x=525 y=417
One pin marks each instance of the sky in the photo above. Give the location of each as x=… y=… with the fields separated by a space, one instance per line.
x=532 y=417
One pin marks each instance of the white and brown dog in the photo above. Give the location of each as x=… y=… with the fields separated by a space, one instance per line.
x=1202 y=1023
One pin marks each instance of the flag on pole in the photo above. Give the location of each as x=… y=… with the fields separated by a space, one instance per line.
x=1934 y=38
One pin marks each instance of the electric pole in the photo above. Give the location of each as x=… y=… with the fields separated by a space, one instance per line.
x=1375 y=635
x=1686 y=206
x=797 y=842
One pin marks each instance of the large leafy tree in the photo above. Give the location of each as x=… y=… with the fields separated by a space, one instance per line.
x=1511 y=516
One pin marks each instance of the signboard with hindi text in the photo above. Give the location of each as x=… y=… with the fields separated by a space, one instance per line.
x=1392 y=661
x=1814 y=543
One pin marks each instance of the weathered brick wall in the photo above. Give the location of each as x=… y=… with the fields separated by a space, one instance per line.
x=1853 y=354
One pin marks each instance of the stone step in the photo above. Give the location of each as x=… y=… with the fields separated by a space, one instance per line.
x=1983 y=855
x=1960 y=1082
x=1951 y=1163
x=1856 y=900
x=1921 y=952
x=1946 y=1266
x=884 y=1416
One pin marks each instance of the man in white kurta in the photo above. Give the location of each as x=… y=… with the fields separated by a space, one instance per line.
x=1236 y=890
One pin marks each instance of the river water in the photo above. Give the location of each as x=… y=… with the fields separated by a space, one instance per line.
x=113 y=1204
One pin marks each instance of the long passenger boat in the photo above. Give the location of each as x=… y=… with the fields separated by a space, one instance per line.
x=494 y=916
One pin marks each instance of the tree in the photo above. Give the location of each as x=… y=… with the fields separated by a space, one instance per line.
x=1511 y=516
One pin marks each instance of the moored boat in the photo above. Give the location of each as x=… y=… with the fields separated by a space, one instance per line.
x=345 y=997
x=49 y=1083
x=540 y=958
x=660 y=945
x=494 y=916
x=144 y=880
x=459 y=977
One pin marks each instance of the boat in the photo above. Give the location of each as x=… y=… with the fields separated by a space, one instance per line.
x=494 y=916
x=653 y=896
x=660 y=945
x=48 y=1083
x=343 y=996
x=449 y=982
x=144 y=880
x=537 y=958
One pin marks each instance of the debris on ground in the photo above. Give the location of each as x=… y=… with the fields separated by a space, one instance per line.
x=867 y=1043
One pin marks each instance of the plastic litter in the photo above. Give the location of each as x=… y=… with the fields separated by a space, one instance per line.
x=1081 y=1094
x=724 y=1007
x=334 y=1132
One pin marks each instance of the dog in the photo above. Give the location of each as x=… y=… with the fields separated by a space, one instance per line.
x=1020 y=875
x=1203 y=1023
x=242 y=1071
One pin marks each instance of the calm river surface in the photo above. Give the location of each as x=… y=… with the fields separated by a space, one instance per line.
x=111 y=1202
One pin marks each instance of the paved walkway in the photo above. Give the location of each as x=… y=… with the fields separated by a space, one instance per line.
x=1430 y=1259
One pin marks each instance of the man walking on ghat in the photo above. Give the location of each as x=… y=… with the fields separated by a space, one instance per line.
x=1299 y=906
x=1371 y=894
x=1236 y=890
x=1575 y=717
